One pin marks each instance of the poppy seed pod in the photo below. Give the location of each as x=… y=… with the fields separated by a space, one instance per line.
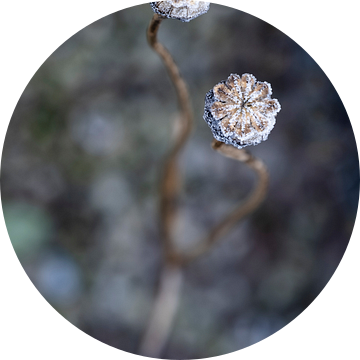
x=240 y=111
x=180 y=9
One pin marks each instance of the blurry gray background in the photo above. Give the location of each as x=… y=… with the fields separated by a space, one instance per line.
x=80 y=169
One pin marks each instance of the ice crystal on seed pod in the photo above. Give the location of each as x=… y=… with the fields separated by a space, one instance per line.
x=240 y=110
x=180 y=9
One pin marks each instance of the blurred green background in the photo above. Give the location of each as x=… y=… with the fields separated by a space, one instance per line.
x=80 y=170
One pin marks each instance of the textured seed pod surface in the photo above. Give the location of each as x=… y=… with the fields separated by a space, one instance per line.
x=240 y=110
x=180 y=9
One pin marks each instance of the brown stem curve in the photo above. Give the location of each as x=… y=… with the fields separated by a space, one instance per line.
x=167 y=298
x=170 y=181
x=250 y=204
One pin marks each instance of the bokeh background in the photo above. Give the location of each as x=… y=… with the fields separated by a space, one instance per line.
x=80 y=170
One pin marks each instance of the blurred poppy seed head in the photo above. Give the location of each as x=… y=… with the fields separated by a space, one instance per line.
x=240 y=110
x=180 y=9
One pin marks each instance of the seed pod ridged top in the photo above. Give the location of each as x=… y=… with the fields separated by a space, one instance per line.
x=180 y=9
x=240 y=110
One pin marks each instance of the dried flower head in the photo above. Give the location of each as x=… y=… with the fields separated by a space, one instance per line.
x=180 y=9
x=240 y=110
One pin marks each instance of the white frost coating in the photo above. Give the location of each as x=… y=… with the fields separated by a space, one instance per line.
x=180 y=9
x=240 y=110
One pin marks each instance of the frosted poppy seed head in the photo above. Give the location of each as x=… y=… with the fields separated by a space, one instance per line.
x=180 y=9
x=240 y=110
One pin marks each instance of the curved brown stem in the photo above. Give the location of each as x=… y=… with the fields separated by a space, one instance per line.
x=168 y=294
x=163 y=311
x=250 y=204
x=170 y=181
x=167 y=298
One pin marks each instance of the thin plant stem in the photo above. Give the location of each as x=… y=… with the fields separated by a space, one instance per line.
x=245 y=208
x=168 y=294
x=163 y=311
x=170 y=181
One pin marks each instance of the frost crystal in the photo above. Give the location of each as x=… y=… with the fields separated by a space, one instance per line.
x=240 y=110
x=180 y=9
